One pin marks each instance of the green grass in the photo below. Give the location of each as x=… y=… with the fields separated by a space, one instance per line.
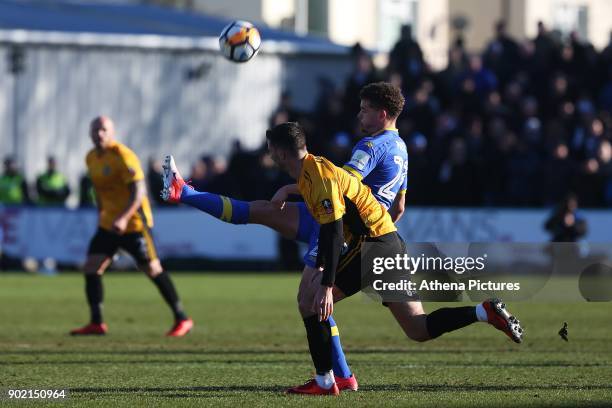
x=249 y=344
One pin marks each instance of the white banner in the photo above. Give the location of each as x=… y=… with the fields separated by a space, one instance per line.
x=183 y=232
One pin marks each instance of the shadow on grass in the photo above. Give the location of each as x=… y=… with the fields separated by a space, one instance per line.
x=246 y=352
x=286 y=361
x=195 y=391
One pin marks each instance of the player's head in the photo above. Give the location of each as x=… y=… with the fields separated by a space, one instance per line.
x=287 y=144
x=381 y=104
x=102 y=131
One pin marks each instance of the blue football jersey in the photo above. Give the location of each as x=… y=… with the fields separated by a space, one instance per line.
x=381 y=161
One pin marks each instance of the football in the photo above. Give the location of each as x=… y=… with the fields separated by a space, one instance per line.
x=239 y=41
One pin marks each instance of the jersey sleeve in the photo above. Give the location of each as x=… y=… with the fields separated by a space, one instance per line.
x=325 y=199
x=362 y=160
x=131 y=170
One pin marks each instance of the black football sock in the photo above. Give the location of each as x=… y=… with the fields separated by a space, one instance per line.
x=167 y=290
x=319 y=343
x=95 y=296
x=448 y=319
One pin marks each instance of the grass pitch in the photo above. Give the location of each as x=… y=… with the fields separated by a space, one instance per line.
x=249 y=345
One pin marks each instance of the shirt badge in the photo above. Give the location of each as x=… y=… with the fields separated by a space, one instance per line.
x=327 y=206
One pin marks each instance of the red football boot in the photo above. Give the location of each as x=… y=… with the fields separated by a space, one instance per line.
x=173 y=182
x=499 y=317
x=347 y=384
x=312 y=388
x=90 y=329
x=180 y=328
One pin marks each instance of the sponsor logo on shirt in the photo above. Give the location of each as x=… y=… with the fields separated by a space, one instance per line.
x=360 y=159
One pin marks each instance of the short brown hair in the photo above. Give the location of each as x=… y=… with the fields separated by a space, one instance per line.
x=384 y=95
x=288 y=136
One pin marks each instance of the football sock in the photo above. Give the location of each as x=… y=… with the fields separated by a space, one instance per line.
x=481 y=313
x=448 y=319
x=95 y=295
x=341 y=368
x=221 y=207
x=319 y=343
x=168 y=292
x=326 y=380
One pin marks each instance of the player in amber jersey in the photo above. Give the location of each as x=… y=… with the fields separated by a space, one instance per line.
x=379 y=159
x=348 y=212
x=125 y=222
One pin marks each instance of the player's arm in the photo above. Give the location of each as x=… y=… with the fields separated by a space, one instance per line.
x=399 y=202
x=324 y=199
x=331 y=241
x=133 y=177
x=138 y=191
x=283 y=193
x=397 y=208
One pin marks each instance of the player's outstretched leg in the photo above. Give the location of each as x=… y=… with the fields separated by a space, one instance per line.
x=423 y=327
x=94 y=292
x=176 y=190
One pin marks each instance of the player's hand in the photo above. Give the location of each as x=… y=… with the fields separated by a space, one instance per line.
x=280 y=197
x=120 y=225
x=323 y=302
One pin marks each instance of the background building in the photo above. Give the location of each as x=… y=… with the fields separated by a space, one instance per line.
x=436 y=23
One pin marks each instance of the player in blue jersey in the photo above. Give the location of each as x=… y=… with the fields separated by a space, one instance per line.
x=379 y=160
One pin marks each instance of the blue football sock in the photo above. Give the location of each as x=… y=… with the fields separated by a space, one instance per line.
x=221 y=207
x=341 y=368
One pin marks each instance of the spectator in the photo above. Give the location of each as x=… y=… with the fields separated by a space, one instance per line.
x=566 y=224
x=406 y=59
x=285 y=111
x=52 y=186
x=363 y=73
x=87 y=195
x=199 y=175
x=518 y=124
x=13 y=186
x=558 y=172
x=502 y=54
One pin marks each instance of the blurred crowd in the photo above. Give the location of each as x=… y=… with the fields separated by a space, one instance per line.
x=521 y=124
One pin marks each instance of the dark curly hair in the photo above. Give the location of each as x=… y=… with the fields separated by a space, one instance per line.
x=384 y=95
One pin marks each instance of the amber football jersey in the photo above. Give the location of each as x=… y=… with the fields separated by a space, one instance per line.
x=111 y=171
x=331 y=193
